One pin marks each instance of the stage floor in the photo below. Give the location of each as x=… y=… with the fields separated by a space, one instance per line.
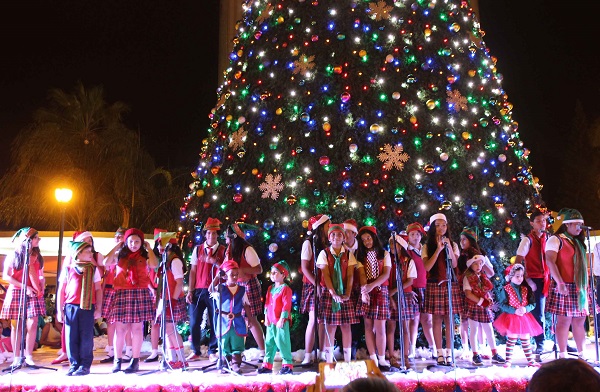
x=101 y=378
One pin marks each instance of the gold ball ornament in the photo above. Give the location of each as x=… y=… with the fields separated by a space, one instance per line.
x=254 y=171
x=326 y=126
x=455 y=27
x=229 y=117
x=430 y=104
x=305 y=224
x=291 y=200
x=472 y=72
x=466 y=135
x=375 y=128
x=427 y=32
x=362 y=53
x=280 y=20
x=278 y=111
x=446 y=205
x=200 y=192
x=413 y=120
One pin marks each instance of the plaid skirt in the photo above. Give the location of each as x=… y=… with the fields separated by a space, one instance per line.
x=307 y=302
x=253 y=292
x=10 y=309
x=131 y=306
x=408 y=310
x=378 y=307
x=356 y=301
x=107 y=300
x=420 y=298
x=179 y=311
x=477 y=313
x=436 y=299
x=565 y=305
x=346 y=315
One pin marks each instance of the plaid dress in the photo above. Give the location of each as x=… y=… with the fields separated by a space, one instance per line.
x=253 y=292
x=307 y=302
x=347 y=313
x=436 y=293
x=471 y=310
x=565 y=305
x=10 y=309
x=131 y=306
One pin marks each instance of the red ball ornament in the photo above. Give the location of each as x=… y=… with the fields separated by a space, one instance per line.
x=345 y=97
x=206 y=205
x=238 y=197
x=324 y=160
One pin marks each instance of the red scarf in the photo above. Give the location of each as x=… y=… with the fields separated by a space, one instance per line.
x=132 y=259
x=480 y=284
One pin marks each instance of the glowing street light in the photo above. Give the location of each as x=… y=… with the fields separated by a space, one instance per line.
x=63 y=196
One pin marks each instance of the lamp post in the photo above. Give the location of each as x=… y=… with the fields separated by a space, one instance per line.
x=63 y=196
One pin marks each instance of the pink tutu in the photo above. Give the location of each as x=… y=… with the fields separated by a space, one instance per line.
x=508 y=323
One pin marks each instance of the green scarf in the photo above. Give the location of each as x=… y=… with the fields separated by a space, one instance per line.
x=338 y=281
x=579 y=270
x=86 y=269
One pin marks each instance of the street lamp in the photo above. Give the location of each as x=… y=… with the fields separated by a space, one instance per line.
x=63 y=196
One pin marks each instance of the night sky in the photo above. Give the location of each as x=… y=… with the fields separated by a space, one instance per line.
x=159 y=57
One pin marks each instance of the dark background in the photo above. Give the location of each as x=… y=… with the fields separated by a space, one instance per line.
x=159 y=57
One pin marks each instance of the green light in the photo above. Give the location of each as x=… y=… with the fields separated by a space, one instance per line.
x=418 y=142
x=370 y=221
x=444 y=17
x=216 y=181
x=261 y=159
x=383 y=97
x=513 y=235
x=289 y=165
x=223 y=207
x=330 y=101
x=266 y=236
x=244 y=92
x=400 y=191
x=374 y=37
x=365 y=59
x=487 y=218
x=261 y=67
x=327 y=168
x=454 y=165
x=367 y=159
x=304 y=202
x=329 y=70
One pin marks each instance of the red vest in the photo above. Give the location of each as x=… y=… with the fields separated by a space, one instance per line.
x=421 y=281
x=535 y=260
x=34 y=270
x=331 y=263
x=513 y=299
x=437 y=273
x=135 y=277
x=109 y=276
x=205 y=272
x=243 y=263
x=172 y=283
x=564 y=260
x=73 y=288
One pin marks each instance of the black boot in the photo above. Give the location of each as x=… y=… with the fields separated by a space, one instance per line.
x=134 y=366
x=117 y=365
x=237 y=363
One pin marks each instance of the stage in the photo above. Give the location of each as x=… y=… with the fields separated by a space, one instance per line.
x=487 y=379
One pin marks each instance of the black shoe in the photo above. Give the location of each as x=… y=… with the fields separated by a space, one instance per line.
x=108 y=359
x=134 y=366
x=286 y=370
x=72 y=370
x=151 y=359
x=571 y=349
x=538 y=350
x=477 y=361
x=496 y=358
x=264 y=370
x=385 y=368
x=82 y=371
x=117 y=365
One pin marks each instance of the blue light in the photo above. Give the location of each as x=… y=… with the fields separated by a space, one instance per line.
x=471 y=213
x=362 y=122
x=238 y=187
x=330 y=26
x=391 y=225
x=264 y=113
x=312 y=149
x=370 y=138
x=270 y=255
x=346 y=184
x=325 y=88
x=379 y=114
x=283 y=236
x=485 y=171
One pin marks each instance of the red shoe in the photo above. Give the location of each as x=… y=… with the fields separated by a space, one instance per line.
x=60 y=359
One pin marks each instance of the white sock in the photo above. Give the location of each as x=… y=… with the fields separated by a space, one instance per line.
x=128 y=351
x=153 y=354
x=382 y=360
x=329 y=354
x=562 y=354
x=347 y=354
x=110 y=351
x=440 y=352
x=374 y=358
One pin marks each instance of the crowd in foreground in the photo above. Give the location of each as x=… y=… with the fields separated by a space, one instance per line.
x=350 y=281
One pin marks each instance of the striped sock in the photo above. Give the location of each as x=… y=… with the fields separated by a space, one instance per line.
x=510 y=344
x=527 y=350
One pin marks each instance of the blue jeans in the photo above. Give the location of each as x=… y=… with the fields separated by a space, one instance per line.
x=539 y=313
x=79 y=335
x=200 y=301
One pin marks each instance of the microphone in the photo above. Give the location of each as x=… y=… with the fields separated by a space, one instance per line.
x=585 y=227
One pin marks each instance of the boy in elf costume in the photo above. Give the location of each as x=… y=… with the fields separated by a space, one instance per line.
x=230 y=325
x=80 y=290
x=278 y=317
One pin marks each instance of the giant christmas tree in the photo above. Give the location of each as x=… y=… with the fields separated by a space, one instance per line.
x=382 y=111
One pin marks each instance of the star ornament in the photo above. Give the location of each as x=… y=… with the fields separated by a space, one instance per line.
x=380 y=10
x=393 y=156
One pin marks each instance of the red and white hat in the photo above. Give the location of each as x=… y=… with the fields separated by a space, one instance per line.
x=352 y=225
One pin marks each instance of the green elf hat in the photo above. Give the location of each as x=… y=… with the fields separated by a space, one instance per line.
x=570 y=215
x=77 y=247
x=24 y=233
x=282 y=267
x=333 y=227
x=469 y=233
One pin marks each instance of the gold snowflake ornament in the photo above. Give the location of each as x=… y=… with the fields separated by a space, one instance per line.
x=304 y=64
x=265 y=14
x=237 y=139
x=271 y=187
x=393 y=156
x=380 y=10
x=457 y=101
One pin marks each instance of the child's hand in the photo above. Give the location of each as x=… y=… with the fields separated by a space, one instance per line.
x=365 y=298
x=531 y=284
x=366 y=289
x=337 y=298
x=280 y=323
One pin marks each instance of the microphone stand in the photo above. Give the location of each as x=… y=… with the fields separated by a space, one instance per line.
x=164 y=290
x=401 y=300
x=22 y=318
x=450 y=276
x=593 y=289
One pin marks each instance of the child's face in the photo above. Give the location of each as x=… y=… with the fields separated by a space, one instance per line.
x=539 y=223
x=276 y=276
x=414 y=237
x=477 y=266
x=35 y=241
x=118 y=238
x=367 y=240
x=232 y=276
x=134 y=243
x=211 y=237
x=350 y=236
x=440 y=227
x=336 y=238
x=517 y=278
x=86 y=254
x=464 y=242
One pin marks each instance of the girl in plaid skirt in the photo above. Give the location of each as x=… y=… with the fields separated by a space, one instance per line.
x=318 y=225
x=398 y=246
x=132 y=303
x=438 y=247
x=360 y=279
x=567 y=261
x=375 y=294
x=337 y=274
x=249 y=267
x=478 y=288
x=26 y=239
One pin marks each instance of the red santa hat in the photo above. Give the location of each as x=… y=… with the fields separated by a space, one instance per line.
x=437 y=216
x=474 y=259
x=511 y=270
x=415 y=226
x=315 y=221
x=336 y=227
x=229 y=265
x=352 y=225
x=82 y=236
x=370 y=229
